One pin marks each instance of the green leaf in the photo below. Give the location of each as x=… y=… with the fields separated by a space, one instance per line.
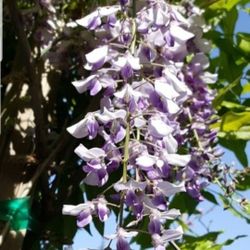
x=236 y=135
x=246 y=88
x=230 y=241
x=243 y=41
x=210 y=197
x=228 y=23
x=234 y=106
x=222 y=92
x=143 y=240
x=247 y=208
x=184 y=202
x=206 y=241
x=232 y=121
x=238 y=147
x=224 y=4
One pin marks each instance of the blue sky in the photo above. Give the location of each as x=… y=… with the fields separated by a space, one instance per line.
x=218 y=219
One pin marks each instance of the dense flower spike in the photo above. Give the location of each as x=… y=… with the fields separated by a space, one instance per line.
x=154 y=114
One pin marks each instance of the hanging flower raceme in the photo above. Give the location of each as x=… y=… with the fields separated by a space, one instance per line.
x=154 y=116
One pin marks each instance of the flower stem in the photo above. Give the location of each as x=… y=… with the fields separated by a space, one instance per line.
x=126 y=154
x=195 y=131
x=172 y=243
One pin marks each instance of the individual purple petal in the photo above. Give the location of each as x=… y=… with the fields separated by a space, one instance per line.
x=95 y=87
x=154 y=226
x=84 y=218
x=130 y=198
x=127 y=64
x=127 y=71
x=137 y=209
x=102 y=211
x=87 y=126
x=153 y=174
x=92 y=127
x=122 y=244
x=159 y=201
x=96 y=178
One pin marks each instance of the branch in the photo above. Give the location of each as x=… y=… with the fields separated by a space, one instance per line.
x=35 y=87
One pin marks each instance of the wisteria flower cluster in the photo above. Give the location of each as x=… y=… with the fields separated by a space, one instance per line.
x=154 y=116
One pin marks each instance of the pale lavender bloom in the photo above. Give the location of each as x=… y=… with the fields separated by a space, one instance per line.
x=146 y=53
x=97 y=177
x=96 y=58
x=176 y=159
x=154 y=226
x=85 y=127
x=146 y=162
x=94 y=83
x=127 y=64
x=121 y=236
x=89 y=154
x=101 y=209
x=169 y=189
x=93 y=20
x=179 y=34
x=159 y=241
x=84 y=218
x=82 y=211
x=118 y=132
x=158 y=128
x=108 y=116
x=130 y=185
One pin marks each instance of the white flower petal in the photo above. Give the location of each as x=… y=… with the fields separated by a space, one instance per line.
x=172 y=107
x=89 y=154
x=172 y=234
x=97 y=55
x=177 y=160
x=139 y=122
x=165 y=90
x=74 y=210
x=170 y=144
x=146 y=161
x=159 y=128
x=82 y=85
x=108 y=10
x=180 y=34
x=170 y=214
x=78 y=130
x=169 y=189
x=85 y=21
x=108 y=116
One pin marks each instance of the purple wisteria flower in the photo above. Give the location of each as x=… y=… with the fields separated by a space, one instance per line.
x=152 y=127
